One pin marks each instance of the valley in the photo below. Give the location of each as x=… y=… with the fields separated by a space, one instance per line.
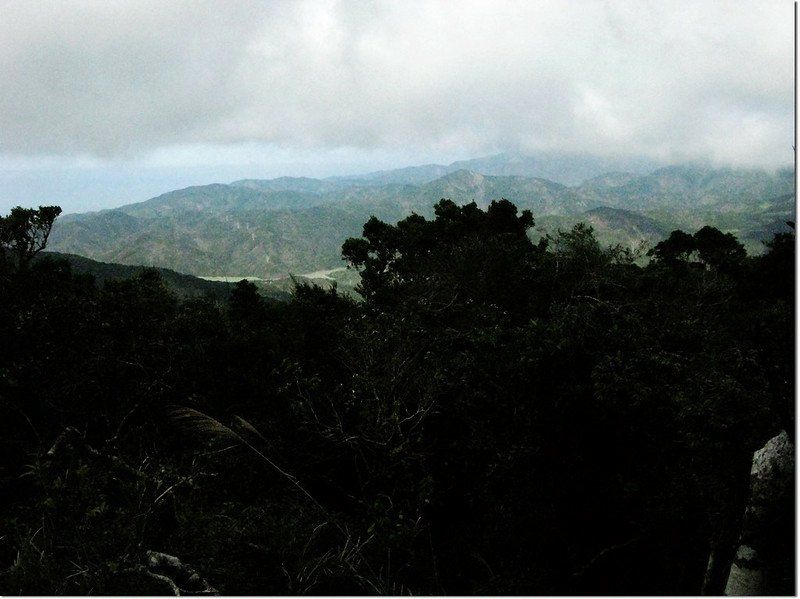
x=271 y=229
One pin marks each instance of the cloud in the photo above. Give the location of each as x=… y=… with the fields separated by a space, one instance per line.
x=121 y=80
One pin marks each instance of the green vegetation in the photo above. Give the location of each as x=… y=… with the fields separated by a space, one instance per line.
x=495 y=416
x=270 y=229
x=184 y=286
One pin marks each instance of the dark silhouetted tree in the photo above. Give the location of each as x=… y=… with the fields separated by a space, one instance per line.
x=676 y=248
x=24 y=233
x=718 y=249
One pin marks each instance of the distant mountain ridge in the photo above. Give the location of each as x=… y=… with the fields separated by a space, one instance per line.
x=267 y=228
x=559 y=167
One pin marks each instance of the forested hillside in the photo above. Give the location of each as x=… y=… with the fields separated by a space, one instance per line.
x=180 y=284
x=276 y=227
x=496 y=416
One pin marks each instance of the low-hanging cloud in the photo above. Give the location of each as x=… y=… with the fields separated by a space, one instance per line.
x=669 y=79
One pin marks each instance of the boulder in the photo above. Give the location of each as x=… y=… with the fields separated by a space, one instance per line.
x=764 y=562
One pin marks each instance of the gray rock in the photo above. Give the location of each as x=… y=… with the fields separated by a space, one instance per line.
x=764 y=562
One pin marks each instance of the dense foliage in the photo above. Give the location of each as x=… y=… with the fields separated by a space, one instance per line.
x=266 y=228
x=495 y=417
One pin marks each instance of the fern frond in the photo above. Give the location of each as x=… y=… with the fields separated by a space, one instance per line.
x=249 y=428
x=195 y=421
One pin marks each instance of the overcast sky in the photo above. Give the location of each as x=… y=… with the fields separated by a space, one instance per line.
x=104 y=103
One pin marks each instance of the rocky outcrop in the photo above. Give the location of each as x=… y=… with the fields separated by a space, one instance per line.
x=161 y=574
x=764 y=562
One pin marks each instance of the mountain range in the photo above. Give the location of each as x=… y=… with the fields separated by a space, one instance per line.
x=268 y=228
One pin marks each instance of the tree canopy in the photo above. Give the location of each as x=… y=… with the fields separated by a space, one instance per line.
x=493 y=416
x=24 y=233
